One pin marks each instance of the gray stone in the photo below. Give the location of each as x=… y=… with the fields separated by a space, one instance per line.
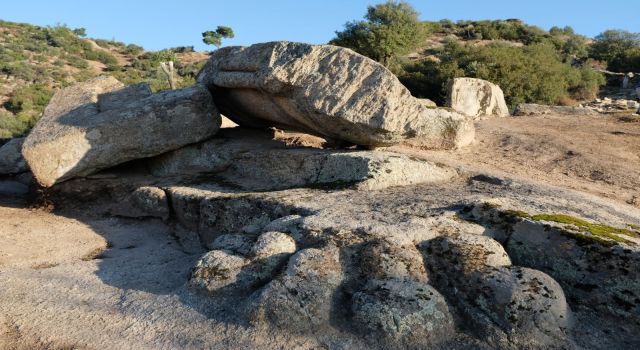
x=384 y=259
x=264 y=165
x=468 y=253
x=526 y=304
x=476 y=98
x=74 y=139
x=595 y=272
x=327 y=91
x=11 y=160
x=403 y=313
x=223 y=272
x=236 y=244
x=219 y=272
x=273 y=244
x=145 y=201
x=302 y=298
x=122 y=98
x=531 y=109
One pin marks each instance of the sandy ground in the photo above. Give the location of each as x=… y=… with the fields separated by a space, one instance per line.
x=593 y=154
x=87 y=282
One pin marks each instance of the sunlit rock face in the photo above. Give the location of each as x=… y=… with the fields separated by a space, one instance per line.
x=81 y=133
x=327 y=91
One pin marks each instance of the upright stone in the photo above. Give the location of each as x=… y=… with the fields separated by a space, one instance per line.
x=75 y=138
x=327 y=91
x=476 y=98
x=11 y=160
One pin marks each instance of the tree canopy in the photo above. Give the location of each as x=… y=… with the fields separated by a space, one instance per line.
x=214 y=37
x=613 y=43
x=389 y=29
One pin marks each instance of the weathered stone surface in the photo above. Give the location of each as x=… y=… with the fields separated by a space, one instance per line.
x=603 y=275
x=11 y=160
x=403 y=313
x=468 y=252
x=226 y=272
x=531 y=109
x=476 y=98
x=82 y=96
x=526 y=304
x=220 y=271
x=236 y=244
x=384 y=259
x=326 y=91
x=271 y=244
x=302 y=298
x=121 y=98
x=252 y=163
x=145 y=201
x=598 y=271
x=74 y=139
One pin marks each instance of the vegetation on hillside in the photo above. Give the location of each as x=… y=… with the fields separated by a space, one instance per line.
x=389 y=30
x=530 y=64
x=35 y=61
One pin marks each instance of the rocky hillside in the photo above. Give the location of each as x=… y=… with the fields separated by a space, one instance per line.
x=36 y=61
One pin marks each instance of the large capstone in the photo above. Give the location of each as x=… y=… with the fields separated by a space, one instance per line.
x=75 y=137
x=327 y=91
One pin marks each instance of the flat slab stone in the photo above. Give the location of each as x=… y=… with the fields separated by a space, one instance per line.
x=255 y=164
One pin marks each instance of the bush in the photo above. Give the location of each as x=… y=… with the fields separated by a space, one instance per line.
x=133 y=49
x=32 y=97
x=533 y=74
x=627 y=61
x=10 y=126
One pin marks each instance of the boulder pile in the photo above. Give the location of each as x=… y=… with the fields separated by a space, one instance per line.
x=323 y=90
x=274 y=225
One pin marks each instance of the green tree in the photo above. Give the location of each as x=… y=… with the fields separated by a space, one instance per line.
x=214 y=37
x=389 y=29
x=81 y=32
x=613 y=43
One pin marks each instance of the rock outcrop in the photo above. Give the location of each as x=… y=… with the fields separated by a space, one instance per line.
x=259 y=164
x=476 y=98
x=327 y=91
x=11 y=160
x=532 y=109
x=75 y=137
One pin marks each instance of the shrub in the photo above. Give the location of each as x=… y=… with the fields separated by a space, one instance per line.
x=10 y=126
x=534 y=73
x=627 y=61
x=133 y=49
x=613 y=43
x=29 y=97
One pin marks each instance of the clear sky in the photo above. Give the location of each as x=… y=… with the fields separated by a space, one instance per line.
x=160 y=24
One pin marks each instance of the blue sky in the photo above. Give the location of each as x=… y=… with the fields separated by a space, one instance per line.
x=161 y=24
